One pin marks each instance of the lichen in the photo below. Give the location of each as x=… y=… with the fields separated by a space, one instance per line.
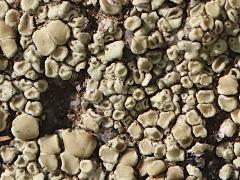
x=157 y=94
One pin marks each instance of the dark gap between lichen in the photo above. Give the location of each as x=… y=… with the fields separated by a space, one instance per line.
x=56 y=101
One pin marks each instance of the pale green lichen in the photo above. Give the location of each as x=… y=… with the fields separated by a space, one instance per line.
x=151 y=78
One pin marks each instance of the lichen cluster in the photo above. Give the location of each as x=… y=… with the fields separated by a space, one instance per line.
x=159 y=91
